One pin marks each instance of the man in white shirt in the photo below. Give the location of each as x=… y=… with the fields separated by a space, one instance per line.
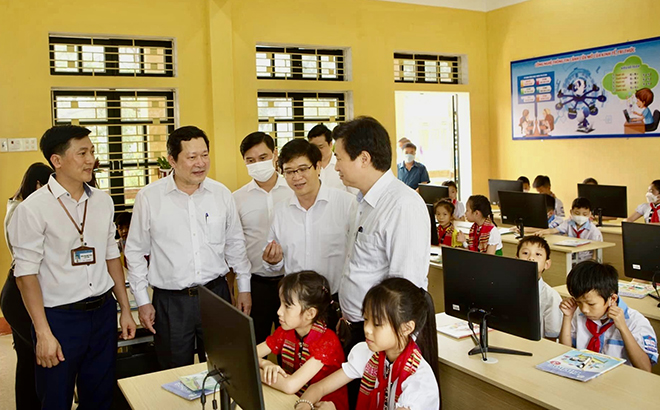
x=188 y=225
x=67 y=267
x=391 y=235
x=255 y=202
x=309 y=232
x=321 y=136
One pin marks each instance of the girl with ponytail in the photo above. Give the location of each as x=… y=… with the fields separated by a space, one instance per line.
x=484 y=236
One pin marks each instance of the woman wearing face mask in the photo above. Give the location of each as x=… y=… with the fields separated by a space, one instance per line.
x=650 y=209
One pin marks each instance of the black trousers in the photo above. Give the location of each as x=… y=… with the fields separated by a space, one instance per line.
x=179 y=325
x=265 y=303
x=357 y=336
x=18 y=318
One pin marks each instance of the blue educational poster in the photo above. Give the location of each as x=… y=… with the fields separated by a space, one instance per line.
x=601 y=92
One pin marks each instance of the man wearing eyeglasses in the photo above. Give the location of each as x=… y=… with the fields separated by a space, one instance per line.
x=309 y=232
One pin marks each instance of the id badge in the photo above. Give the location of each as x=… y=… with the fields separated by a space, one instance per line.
x=83 y=255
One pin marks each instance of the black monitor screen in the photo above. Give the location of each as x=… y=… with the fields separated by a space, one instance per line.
x=230 y=347
x=433 y=193
x=611 y=199
x=530 y=208
x=496 y=185
x=641 y=250
x=506 y=287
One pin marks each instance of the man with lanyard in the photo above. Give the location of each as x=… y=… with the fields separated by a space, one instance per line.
x=189 y=226
x=255 y=202
x=67 y=267
x=391 y=235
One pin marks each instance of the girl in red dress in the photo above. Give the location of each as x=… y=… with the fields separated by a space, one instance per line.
x=444 y=214
x=308 y=349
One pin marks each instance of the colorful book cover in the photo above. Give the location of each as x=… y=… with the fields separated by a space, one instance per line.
x=459 y=329
x=634 y=290
x=194 y=381
x=181 y=390
x=582 y=365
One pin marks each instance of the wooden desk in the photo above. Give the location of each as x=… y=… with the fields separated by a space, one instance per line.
x=634 y=127
x=514 y=382
x=647 y=306
x=144 y=392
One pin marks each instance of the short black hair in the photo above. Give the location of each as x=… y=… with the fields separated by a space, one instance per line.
x=299 y=147
x=123 y=219
x=366 y=134
x=534 y=240
x=183 y=134
x=656 y=184
x=450 y=183
x=590 y=180
x=255 y=139
x=56 y=140
x=320 y=130
x=541 y=181
x=581 y=202
x=523 y=179
x=550 y=202
x=409 y=145
x=591 y=275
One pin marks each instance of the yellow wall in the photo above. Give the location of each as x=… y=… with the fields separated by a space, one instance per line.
x=216 y=83
x=542 y=27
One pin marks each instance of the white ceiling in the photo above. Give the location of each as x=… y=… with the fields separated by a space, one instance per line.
x=477 y=5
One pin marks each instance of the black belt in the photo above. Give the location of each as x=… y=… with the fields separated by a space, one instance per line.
x=87 y=304
x=192 y=291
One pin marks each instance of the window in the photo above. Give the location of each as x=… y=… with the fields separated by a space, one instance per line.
x=418 y=68
x=288 y=115
x=129 y=132
x=294 y=63
x=111 y=56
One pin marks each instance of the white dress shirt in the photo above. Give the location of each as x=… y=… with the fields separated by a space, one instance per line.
x=255 y=208
x=418 y=392
x=11 y=207
x=191 y=239
x=588 y=231
x=330 y=177
x=551 y=316
x=391 y=236
x=42 y=237
x=315 y=238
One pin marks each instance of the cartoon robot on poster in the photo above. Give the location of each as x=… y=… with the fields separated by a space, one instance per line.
x=578 y=95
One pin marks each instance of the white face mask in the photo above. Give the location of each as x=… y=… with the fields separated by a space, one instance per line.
x=580 y=219
x=409 y=157
x=261 y=171
x=650 y=198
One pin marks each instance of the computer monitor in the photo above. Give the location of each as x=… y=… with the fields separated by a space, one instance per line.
x=503 y=291
x=434 y=226
x=433 y=193
x=231 y=349
x=496 y=185
x=606 y=200
x=523 y=209
x=641 y=250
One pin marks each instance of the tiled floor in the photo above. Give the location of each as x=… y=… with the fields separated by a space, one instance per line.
x=7 y=372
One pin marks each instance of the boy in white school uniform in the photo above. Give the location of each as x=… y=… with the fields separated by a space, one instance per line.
x=536 y=249
x=543 y=186
x=595 y=318
x=255 y=203
x=579 y=226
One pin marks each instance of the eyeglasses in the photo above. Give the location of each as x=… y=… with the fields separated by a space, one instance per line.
x=289 y=173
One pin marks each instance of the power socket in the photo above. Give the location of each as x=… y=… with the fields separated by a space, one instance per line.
x=15 y=144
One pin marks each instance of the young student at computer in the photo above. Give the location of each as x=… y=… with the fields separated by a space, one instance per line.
x=543 y=186
x=525 y=182
x=459 y=211
x=484 y=236
x=579 y=226
x=650 y=209
x=553 y=220
x=595 y=318
x=536 y=249
x=308 y=349
x=398 y=363
x=444 y=213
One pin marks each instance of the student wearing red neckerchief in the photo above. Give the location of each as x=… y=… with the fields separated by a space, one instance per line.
x=595 y=318
x=398 y=363
x=650 y=209
x=484 y=236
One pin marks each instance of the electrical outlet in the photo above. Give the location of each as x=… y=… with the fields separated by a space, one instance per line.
x=3 y=145
x=30 y=144
x=15 y=144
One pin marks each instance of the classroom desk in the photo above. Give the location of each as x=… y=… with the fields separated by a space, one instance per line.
x=614 y=256
x=647 y=306
x=514 y=382
x=144 y=391
x=634 y=127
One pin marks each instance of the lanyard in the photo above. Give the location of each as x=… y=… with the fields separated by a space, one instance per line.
x=79 y=229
